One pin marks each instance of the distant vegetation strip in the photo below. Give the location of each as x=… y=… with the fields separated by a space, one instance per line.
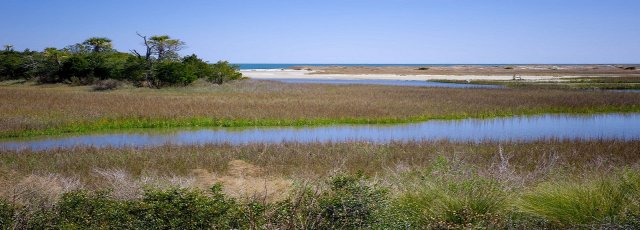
x=142 y=123
x=602 y=83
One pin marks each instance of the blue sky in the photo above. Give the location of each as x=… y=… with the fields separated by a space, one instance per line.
x=344 y=31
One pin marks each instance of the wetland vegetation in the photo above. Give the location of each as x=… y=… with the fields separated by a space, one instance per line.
x=31 y=110
x=427 y=184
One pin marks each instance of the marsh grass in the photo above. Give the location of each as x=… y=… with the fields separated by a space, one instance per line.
x=417 y=185
x=50 y=110
x=605 y=199
x=576 y=83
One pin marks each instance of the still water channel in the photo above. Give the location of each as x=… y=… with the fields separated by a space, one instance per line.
x=605 y=126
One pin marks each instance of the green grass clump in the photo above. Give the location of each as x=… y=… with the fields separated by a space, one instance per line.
x=611 y=199
x=449 y=198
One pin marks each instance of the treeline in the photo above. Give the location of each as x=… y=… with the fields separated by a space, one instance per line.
x=95 y=60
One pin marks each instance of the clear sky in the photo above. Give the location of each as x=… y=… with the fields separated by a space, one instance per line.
x=344 y=31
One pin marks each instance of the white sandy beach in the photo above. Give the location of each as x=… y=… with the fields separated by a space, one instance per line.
x=305 y=74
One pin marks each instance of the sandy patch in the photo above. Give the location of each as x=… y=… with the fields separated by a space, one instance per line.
x=244 y=180
x=305 y=74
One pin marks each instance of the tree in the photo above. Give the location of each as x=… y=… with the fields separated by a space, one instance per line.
x=8 y=47
x=99 y=44
x=222 y=72
x=147 y=45
x=165 y=48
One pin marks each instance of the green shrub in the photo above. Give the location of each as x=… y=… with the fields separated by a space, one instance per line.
x=76 y=66
x=200 y=67
x=222 y=72
x=168 y=209
x=351 y=202
x=174 y=73
x=134 y=69
x=6 y=214
x=185 y=209
x=13 y=65
x=84 y=210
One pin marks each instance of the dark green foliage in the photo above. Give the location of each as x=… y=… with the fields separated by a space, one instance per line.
x=134 y=69
x=13 y=65
x=94 y=60
x=218 y=73
x=83 y=210
x=174 y=73
x=6 y=214
x=184 y=209
x=200 y=67
x=168 y=209
x=351 y=203
x=223 y=72
x=75 y=67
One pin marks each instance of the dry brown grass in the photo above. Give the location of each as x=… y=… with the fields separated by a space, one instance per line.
x=41 y=107
x=272 y=166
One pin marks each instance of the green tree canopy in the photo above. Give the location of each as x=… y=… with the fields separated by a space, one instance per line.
x=99 y=44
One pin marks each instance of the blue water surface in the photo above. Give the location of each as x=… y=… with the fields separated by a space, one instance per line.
x=520 y=128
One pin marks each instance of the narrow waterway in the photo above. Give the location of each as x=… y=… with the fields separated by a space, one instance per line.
x=605 y=126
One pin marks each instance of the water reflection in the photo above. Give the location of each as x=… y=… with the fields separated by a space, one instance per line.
x=606 y=126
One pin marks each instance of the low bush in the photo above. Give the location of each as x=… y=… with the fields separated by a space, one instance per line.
x=223 y=71
x=174 y=73
x=6 y=214
x=109 y=84
x=351 y=203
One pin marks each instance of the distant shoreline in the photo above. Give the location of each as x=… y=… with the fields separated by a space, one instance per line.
x=454 y=72
x=247 y=66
